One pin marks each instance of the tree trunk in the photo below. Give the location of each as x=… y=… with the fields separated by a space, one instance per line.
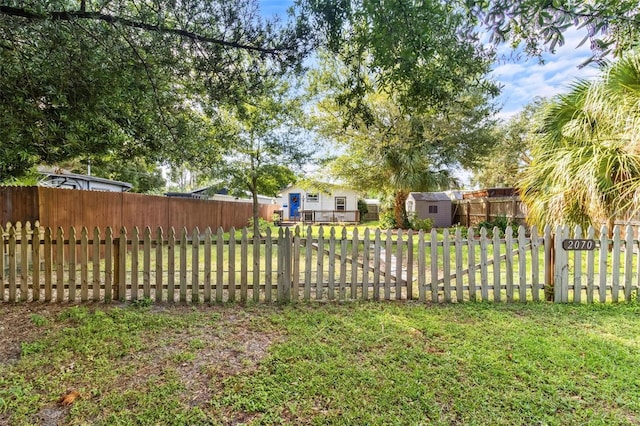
x=400 y=210
x=256 y=211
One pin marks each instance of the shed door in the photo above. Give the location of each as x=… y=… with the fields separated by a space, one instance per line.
x=294 y=205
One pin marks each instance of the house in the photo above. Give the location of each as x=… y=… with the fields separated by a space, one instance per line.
x=219 y=194
x=333 y=204
x=63 y=179
x=436 y=206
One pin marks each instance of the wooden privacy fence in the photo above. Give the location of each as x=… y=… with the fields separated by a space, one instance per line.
x=332 y=264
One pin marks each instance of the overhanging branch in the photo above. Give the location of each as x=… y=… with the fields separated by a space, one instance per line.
x=98 y=16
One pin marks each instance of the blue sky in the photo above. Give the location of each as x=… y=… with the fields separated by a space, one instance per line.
x=523 y=80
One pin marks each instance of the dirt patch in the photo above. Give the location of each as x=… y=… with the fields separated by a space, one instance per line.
x=222 y=342
x=21 y=323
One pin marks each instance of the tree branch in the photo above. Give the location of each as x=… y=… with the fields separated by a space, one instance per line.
x=97 y=16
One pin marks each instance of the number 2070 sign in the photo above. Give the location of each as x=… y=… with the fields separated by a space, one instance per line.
x=578 y=244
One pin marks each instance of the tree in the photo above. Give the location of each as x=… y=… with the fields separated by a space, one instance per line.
x=263 y=142
x=424 y=53
x=612 y=26
x=126 y=79
x=505 y=162
x=586 y=155
x=394 y=152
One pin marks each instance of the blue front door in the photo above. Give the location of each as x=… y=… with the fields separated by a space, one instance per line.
x=294 y=206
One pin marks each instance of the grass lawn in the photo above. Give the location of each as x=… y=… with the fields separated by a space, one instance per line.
x=356 y=363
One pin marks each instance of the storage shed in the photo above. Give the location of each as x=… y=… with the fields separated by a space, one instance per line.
x=436 y=206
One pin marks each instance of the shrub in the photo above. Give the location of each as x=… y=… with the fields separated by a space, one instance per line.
x=262 y=225
x=420 y=224
x=388 y=220
x=501 y=222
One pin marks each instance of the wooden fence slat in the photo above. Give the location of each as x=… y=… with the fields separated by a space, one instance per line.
x=24 y=262
x=422 y=268
x=377 y=247
x=244 y=266
x=459 y=275
x=590 y=267
x=159 y=262
x=59 y=265
x=628 y=263
x=183 y=265
x=615 y=265
x=471 y=262
x=535 y=272
x=146 y=266
x=409 y=274
x=387 y=265
x=343 y=264
x=108 y=265
x=549 y=268
x=559 y=265
x=332 y=264
x=320 y=264
x=295 y=279
x=365 y=264
x=508 y=263
x=577 y=268
x=522 y=264
x=268 y=267
x=565 y=265
x=602 y=270
x=398 y=265
x=120 y=263
x=308 y=243
x=484 y=274
x=13 y=285
x=36 y=261
x=434 y=266
x=95 y=281
x=84 y=265
x=171 y=265
x=496 y=265
x=195 y=265
x=220 y=264
x=3 y=287
x=256 y=268
x=207 y=264
x=355 y=243
x=135 y=268
x=72 y=264
x=232 y=265
x=284 y=292
x=280 y=265
x=446 y=265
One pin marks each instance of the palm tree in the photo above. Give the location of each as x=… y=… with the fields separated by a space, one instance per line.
x=586 y=151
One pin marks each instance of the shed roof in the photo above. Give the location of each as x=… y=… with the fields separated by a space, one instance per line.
x=430 y=196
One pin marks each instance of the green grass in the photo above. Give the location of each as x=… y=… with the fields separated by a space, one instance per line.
x=360 y=363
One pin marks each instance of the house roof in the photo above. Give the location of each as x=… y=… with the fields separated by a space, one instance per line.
x=86 y=178
x=430 y=196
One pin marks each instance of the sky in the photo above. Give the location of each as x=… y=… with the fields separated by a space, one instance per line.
x=522 y=81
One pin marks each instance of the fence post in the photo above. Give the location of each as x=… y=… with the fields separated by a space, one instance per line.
x=284 y=262
x=549 y=263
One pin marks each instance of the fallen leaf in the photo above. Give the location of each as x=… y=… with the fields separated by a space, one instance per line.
x=69 y=397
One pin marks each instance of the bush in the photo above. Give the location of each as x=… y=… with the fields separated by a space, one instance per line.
x=420 y=224
x=262 y=225
x=388 y=220
x=501 y=222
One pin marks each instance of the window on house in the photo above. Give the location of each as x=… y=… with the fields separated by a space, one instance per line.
x=313 y=198
x=341 y=203
x=433 y=209
x=410 y=206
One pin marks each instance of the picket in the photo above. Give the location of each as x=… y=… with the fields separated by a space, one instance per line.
x=336 y=265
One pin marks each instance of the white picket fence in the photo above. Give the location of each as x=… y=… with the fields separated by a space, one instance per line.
x=335 y=264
